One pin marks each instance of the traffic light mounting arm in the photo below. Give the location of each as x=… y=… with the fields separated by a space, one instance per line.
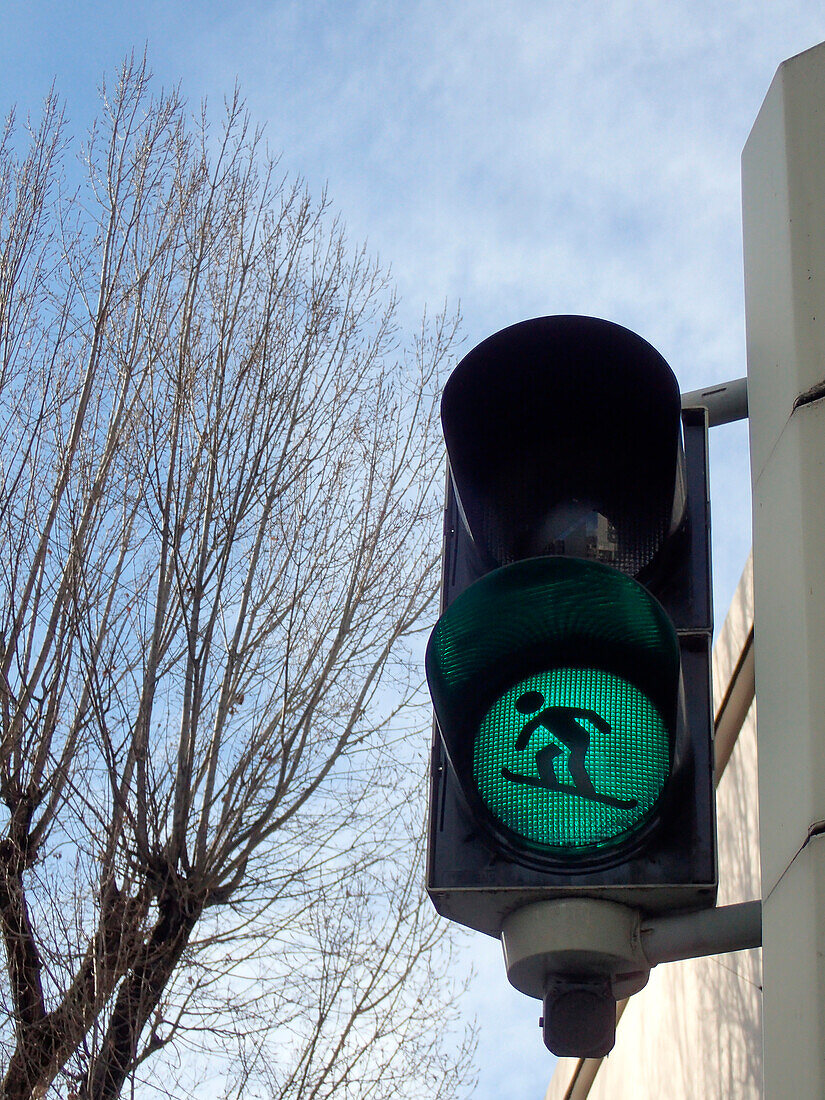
x=546 y=937
x=725 y=401
x=579 y=956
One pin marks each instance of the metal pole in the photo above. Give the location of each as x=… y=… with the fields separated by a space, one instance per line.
x=725 y=401
x=708 y=932
x=783 y=169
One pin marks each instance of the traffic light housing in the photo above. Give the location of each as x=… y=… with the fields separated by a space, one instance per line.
x=570 y=667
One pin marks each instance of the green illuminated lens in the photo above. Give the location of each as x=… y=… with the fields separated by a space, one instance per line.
x=572 y=758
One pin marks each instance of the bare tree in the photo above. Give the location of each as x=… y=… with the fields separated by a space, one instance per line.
x=218 y=509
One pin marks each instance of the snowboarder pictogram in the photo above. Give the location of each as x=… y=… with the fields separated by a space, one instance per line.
x=565 y=724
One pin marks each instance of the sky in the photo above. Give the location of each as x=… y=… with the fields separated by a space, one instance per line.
x=517 y=158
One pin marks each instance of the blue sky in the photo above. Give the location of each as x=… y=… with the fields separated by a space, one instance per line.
x=519 y=158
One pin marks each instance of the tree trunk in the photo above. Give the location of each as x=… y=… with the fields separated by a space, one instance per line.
x=45 y=1041
x=139 y=995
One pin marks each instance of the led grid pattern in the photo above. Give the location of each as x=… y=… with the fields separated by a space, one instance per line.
x=592 y=736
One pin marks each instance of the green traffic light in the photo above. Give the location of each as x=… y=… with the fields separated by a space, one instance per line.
x=572 y=759
x=555 y=683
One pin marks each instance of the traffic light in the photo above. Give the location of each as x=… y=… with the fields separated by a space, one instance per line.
x=570 y=667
